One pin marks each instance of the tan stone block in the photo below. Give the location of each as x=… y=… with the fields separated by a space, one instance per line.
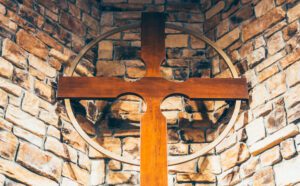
x=63 y=57
x=176 y=40
x=72 y=137
x=5 y=125
x=293 y=74
x=193 y=135
x=230 y=177
x=97 y=175
x=107 y=19
x=28 y=136
x=131 y=147
x=49 y=117
x=3 y=98
x=38 y=161
x=293 y=114
x=178 y=149
x=84 y=161
x=68 y=182
x=274 y=139
x=60 y=149
x=264 y=176
x=259 y=42
x=41 y=66
x=228 y=38
x=292 y=97
x=23 y=79
x=275 y=43
x=226 y=143
x=189 y=167
x=290 y=30
x=215 y=9
x=197 y=43
x=276 y=120
x=105 y=50
x=263 y=7
x=286 y=173
x=270 y=60
x=110 y=68
x=30 y=104
x=262 y=23
x=8 y=145
x=48 y=40
x=256 y=56
x=249 y=167
x=172 y=103
x=276 y=85
x=6 y=68
x=267 y=73
x=255 y=131
x=8 y=23
x=26 y=121
x=32 y=44
x=196 y=177
x=53 y=132
x=262 y=110
x=44 y=91
x=114 y=165
x=235 y=155
x=90 y=21
x=73 y=24
x=293 y=13
x=270 y=157
x=290 y=58
x=72 y=171
x=17 y=172
x=194 y=147
x=210 y=164
x=12 y=52
x=114 y=178
x=246 y=49
x=287 y=148
x=111 y=144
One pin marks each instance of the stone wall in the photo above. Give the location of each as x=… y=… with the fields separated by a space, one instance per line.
x=39 y=146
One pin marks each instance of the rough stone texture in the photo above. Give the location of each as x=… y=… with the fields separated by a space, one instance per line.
x=271 y=156
x=197 y=177
x=229 y=38
x=18 y=172
x=274 y=139
x=31 y=44
x=38 y=161
x=174 y=41
x=6 y=68
x=286 y=172
x=97 y=172
x=264 y=176
x=12 y=52
x=255 y=131
x=26 y=121
x=275 y=43
x=249 y=167
x=8 y=145
x=72 y=171
x=235 y=155
x=114 y=178
x=259 y=25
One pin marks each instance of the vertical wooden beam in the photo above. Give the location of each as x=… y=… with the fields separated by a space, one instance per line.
x=154 y=168
x=153 y=42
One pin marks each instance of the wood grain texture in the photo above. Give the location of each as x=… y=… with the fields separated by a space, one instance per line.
x=194 y=88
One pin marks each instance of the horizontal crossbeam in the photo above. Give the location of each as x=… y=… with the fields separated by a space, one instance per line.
x=194 y=88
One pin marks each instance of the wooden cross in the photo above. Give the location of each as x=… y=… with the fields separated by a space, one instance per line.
x=153 y=89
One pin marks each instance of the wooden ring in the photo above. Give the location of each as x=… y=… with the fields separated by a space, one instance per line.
x=69 y=71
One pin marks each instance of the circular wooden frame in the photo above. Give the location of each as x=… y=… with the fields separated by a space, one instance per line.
x=69 y=71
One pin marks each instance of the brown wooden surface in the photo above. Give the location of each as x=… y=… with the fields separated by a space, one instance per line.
x=153 y=88
x=195 y=88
